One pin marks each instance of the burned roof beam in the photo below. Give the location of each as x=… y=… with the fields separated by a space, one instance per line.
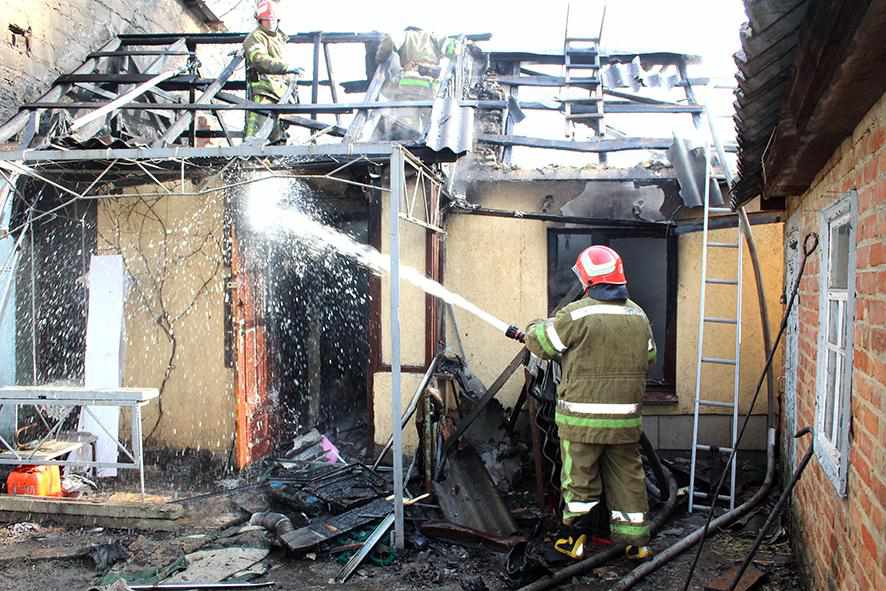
x=546 y=81
x=182 y=123
x=531 y=78
x=728 y=221
x=139 y=53
x=602 y=145
x=269 y=108
x=177 y=83
x=611 y=107
x=653 y=58
x=238 y=38
x=336 y=130
x=563 y=219
x=369 y=150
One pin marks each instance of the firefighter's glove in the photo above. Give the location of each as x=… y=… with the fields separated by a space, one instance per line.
x=296 y=70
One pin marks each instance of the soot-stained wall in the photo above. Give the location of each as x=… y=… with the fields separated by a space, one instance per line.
x=41 y=40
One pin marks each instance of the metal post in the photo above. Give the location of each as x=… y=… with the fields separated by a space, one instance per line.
x=33 y=310
x=333 y=90
x=397 y=180
x=315 y=81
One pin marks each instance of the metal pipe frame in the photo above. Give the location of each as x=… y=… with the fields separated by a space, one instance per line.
x=197 y=39
x=309 y=151
x=136 y=454
x=395 y=197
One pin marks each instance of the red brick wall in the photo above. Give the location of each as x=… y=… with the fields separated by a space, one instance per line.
x=842 y=541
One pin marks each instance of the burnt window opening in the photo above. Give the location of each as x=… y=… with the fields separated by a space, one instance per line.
x=650 y=262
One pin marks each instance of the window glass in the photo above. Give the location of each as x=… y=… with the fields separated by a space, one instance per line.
x=646 y=269
x=834 y=322
x=830 y=394
x=839 y=425
x=839 y=271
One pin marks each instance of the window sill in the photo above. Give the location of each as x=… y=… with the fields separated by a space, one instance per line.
x=660 y=396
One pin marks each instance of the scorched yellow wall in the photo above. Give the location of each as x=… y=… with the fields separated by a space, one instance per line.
x=198 y=400
x=500 y=264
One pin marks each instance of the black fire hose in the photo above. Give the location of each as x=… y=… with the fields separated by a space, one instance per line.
x=776 y=511
x=809 y=245
x=591 y=562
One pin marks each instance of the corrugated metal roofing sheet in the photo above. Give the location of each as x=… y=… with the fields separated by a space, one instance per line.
x=452 y=127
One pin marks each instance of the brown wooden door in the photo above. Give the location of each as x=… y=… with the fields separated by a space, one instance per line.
x=253 y=405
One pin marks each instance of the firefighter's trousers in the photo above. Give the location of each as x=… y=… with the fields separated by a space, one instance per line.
x=254 y=122
x=589 y=469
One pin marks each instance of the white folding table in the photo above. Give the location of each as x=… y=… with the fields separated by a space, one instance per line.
x=73 y=397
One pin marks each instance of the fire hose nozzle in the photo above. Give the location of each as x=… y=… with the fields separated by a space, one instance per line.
x=515 y=333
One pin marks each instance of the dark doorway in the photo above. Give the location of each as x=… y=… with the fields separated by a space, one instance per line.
x=317 y=310
x=650 y=260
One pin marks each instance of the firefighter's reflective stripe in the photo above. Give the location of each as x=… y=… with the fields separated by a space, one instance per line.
x=592 y=423
x=596 y=270
x=543 y=340
x=629 y=517
x=254 y=52
x=629 y=526
x=553 y=337
x=416 y=82
x=609 y=309
x=449 y=47
x=581 y=506
x=593 y=408
x=628 y=530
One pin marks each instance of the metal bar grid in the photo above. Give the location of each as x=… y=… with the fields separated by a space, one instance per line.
x=136 y=455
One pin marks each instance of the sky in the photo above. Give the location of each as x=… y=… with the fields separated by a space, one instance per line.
x=708 y=28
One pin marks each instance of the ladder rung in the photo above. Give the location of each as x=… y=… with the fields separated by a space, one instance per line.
x=725 y=450
x=719 y=360
x=717 y=320
x=705 y=495
x=720 y=210
x=723 y=244
x=585 y=67
x=583 y=39
x=584 y=116
x=721 y=281
x=716 y=403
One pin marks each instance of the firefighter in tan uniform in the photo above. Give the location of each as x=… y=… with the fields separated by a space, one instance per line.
x=605 y=346
x=420 y=53
x=267 y=72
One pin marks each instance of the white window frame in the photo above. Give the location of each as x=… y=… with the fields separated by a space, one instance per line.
x=833 y=453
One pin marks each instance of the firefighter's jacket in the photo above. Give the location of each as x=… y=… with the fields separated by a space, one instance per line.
x=605 y=349
x=418 y=48
x=265 y=63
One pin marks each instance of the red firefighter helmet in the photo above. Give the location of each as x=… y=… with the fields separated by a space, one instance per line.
x=599 y=264
x=266 y=10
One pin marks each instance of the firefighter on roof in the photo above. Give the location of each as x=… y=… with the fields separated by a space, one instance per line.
x=267 y=72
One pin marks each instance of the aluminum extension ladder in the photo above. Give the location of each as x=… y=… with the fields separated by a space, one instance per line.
x=581 y=71
x=718 y=283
